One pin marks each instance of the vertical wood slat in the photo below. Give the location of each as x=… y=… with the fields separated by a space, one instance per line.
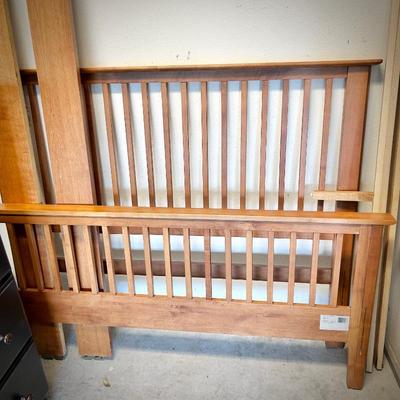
x=98 y=258
x=224 y=144
x=292 y=267
x=128 y=260
x=109 y=260
x=44 y=164
x=249 y=266
x=148 y=143
x=167 y=143
x=167 y=261
x=228 y=264
x=325 y=139
x=129 y=133
x=207 y=263
x=303 y=145
x=243 y=144
x=186 y=144
x=52 y=257
x=314 y=268
x=112 y=150
x=204 y=144
x=188 y=266
x=263 y=143
x=70 y=258
x=94 y=145
x=270 y=272
x=33 y=251
x=87 y=237
x=282 y=157
x=337 y=257
x=148 y=261
x=19 y=270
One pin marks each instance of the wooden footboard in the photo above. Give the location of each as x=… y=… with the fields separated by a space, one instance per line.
x=50 y=300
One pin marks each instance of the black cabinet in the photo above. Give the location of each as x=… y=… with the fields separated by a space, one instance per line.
x=21 y=371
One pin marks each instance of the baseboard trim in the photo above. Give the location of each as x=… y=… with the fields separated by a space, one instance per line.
x=393 y=359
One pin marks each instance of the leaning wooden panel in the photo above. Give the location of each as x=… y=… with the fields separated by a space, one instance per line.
x=19 y=180
x=51 y=24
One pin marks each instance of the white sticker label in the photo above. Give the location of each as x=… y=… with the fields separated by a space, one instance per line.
x=334 y=323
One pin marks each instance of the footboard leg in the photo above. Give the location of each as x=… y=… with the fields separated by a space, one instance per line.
x=363 y=291
x=49 y=340
x=93 y=341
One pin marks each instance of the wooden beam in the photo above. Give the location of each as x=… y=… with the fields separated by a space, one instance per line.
x=342 y=195
x=199 y=315
x=387 y=178
x=53 y=37
x=19 y=180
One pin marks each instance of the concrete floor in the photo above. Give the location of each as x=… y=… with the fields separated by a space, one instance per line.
x=174 y=365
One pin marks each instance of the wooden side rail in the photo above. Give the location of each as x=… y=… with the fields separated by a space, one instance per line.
x=52 y=296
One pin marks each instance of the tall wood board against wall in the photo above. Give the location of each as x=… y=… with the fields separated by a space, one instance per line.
x=52 y=29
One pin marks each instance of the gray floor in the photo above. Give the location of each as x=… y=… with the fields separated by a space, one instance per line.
x=173 y=365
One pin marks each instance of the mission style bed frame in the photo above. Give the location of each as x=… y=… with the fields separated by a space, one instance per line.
x=50 y=239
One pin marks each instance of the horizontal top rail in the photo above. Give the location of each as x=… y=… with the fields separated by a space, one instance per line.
x=96 y=213
x=170 y=73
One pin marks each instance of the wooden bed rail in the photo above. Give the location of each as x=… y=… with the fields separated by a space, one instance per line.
x=52 y=297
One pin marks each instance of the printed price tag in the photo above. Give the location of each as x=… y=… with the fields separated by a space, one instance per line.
x=334 y=323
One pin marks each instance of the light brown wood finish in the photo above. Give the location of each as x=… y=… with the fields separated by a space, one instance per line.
x=109 y=260
x=238 y=317
x=343 y=195
x=263 y=143
x=204 y=144
x=52 y=255
x=337 y=246
x=167 y=143
x=33 y=250
x=363 y=291
x=303 y=145
x=314 y=269
x=207 y=264
x=19 y=178
x=249 y=266
x=228 y=265
x=292 y=267
x=94 y=145
x=112 y=150
x=52 y=29
x=149 y=146
x=325 y=139
x=70 y=259
x=282 y=157
x=148 y=262
x=224 y=144
x=167 y=263
x=186 y=144
x=270 y=266
x=188 y=263
x=40 y=144
x=350 y=159
x=128 y=260
x=87 y=237
x=95 y=215
x=129 y=134
x=243 y=144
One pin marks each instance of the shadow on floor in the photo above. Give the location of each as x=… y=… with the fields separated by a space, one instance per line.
x=288 y=350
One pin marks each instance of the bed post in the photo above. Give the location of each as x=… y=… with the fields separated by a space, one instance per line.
x=350 y=164
x=19 y=181
x=362 y=302
x=53 y=38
